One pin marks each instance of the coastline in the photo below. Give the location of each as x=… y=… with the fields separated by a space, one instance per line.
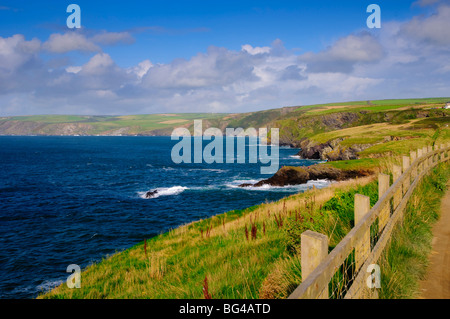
x=155 y=249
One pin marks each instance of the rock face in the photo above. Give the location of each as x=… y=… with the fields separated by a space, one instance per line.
x=327 y=122
x=37 y=128
x=331 y=150
x=300 y=175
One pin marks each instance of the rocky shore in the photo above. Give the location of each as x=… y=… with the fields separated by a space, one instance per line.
x=290 y=175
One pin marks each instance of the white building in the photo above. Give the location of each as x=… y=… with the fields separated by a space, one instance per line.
x=447 y=106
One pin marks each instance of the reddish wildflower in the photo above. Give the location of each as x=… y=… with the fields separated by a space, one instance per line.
x=205 y=289
x=145 y=247
x=253 y=231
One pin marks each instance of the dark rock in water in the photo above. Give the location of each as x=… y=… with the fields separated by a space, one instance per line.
x=151 y=194
x=301 y=175
x=246 y=185
x=285 y=177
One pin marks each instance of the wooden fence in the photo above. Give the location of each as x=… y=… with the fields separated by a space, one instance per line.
x=344 y=271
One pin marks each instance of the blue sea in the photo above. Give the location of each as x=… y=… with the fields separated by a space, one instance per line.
x=76 y=200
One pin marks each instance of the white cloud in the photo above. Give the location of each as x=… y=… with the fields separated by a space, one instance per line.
x=424 y=3
x=255 y=50
x=78 y=41
x=69 y=41
x=141 y=69
x=344 y=54
x=404 y=59
x=98 y=64
x=216 y=67
x=15 y=51
x=110 y=38
x=73 y=69
x=434 y=29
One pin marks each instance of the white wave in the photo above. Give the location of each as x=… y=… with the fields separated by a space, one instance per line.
x=48 y=285
x=164 y=191
x=268 y=145
x=205 y=188
x=216 y=170
x=296 y=156
x=320 y=183
x=237 y=182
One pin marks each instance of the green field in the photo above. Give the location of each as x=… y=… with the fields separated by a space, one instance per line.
x=373 y=106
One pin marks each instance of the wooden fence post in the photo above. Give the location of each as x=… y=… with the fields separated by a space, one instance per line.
x=314 y=249
x=397 y=172
x=383 y=186
x=406 y=163
x=419 y=166
x=413 y=156
x=425 y=162
x=362 y=249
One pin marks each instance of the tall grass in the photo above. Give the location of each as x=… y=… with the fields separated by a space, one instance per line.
x=403 y=264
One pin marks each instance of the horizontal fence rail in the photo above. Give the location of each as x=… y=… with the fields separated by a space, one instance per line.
x=344 y=271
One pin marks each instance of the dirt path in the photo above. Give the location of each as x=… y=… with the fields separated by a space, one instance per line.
x=437 y=283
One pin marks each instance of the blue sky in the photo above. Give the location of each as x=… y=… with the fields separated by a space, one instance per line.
x=221 y=56
x=189 y=27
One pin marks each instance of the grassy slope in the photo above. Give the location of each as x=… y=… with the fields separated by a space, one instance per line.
x=175 y=264
x=404 y=264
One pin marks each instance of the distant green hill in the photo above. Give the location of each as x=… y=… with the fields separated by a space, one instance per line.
x=295 y=123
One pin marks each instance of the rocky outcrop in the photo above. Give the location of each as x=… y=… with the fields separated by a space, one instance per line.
x=19 y=127
x=289 y=129
x=331 y=150
x=300 y=175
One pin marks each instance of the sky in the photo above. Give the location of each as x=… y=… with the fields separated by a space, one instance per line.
x=144 y=57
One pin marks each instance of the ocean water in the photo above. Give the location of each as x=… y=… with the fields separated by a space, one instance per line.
x=75 y=200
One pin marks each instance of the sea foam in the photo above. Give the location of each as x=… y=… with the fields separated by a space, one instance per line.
x=164 y=191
